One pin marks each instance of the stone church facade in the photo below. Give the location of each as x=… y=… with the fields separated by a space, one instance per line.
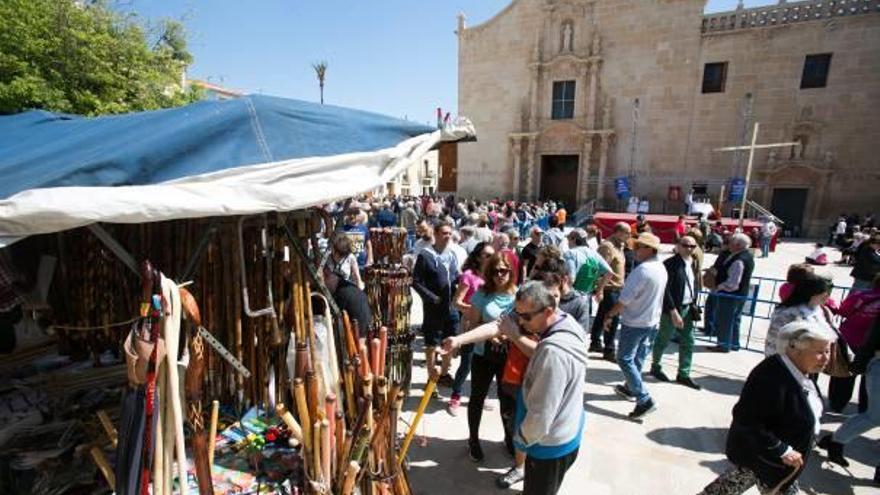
x=567 y=95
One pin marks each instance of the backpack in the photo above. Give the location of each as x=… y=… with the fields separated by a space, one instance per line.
x=588 y=273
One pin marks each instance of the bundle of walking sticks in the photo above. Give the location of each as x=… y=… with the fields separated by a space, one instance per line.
x=389 y=292
x=389 y=245
x=349 y=442
x=256 y=280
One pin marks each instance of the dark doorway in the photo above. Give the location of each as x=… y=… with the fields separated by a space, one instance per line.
x=448 y=158
x=789 y=204
x=559 y=174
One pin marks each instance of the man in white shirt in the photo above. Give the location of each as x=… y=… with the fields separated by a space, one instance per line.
x=639 y=306
x=468 y=242
x=460 y=252
x=768 y=232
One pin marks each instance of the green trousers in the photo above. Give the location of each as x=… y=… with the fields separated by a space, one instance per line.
x=685 y=346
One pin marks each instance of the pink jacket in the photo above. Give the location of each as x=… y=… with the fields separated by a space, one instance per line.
x=860 y=309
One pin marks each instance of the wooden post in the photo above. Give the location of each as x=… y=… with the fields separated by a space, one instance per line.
x=742 y=208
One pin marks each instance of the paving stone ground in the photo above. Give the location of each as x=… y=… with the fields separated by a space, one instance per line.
x=676 y=450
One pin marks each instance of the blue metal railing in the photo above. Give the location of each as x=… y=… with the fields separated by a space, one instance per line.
x=762 y=299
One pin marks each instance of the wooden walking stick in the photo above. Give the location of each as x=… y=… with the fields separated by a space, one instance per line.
x=350 y=477
x=302 y=408
x=344 y=456
x=316 y=452
x=295 y=429
x=109 y=429
x=330 y=412
x=350 y=339
x=340 y=444
x=212 y=438
x=312 y=395
x=349 y=391
x=375 y=346
x=100 y=460
x=174 y=438
x=429 y=389
x=383 y=349
x=326 y=442
x=193 y=382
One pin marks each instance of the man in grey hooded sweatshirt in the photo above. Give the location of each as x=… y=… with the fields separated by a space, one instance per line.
x=550 y=411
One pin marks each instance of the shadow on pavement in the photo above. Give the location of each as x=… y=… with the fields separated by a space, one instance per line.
x=819 y=478
x=602 y=376
x=716 y=467
x=591 y=407
x=720 y=384
x=862 y=450
x=698 y=439
x=432 y=467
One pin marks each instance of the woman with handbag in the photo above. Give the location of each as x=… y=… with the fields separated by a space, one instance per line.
x=805 y=303
x=470 y=280
x=867 y=361
x=494 y=299
x=859 y=310
x=777 y=416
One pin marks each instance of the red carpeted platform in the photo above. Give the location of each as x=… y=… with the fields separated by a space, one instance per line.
x=663 y=226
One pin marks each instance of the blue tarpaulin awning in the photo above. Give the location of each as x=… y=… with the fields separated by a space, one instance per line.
x=239 y=156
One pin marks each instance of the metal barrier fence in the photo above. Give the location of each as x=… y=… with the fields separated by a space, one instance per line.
x=762 y=298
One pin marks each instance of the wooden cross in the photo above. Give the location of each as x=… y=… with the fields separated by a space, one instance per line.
x=752 y=149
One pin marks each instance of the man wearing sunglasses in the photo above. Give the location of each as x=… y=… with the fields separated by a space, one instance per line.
x=679 y=303
x=550 y=412
x=639 y=307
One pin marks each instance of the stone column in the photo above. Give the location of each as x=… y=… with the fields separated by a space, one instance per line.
x=582 y=110
x=586 y=153
x=530 y=169
x=516 y=151
x=603 y=162
x=591 y=106
x=534 y=89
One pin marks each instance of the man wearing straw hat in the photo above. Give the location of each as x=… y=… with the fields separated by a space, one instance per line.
x=639 y=306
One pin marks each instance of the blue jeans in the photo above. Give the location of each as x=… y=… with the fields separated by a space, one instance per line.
x=709 y=326
x=633 y=345
x=410 y=239
x=466 y=353
x=765 y=246
x=856 y=425
x=728 y=314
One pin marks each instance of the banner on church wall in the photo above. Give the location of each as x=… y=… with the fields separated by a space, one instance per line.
x=737 y=189
x=621 y=187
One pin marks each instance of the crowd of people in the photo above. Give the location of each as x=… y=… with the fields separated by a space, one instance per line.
x=520 y=314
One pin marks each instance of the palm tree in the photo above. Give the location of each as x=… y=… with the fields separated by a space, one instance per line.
x=321 y=72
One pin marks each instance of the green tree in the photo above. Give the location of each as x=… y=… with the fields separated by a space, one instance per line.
x=85 y=58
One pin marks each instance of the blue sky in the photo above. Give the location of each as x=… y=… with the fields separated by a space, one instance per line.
x=397 y=57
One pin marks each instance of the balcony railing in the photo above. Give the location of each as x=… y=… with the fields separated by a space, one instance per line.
x=786 y=13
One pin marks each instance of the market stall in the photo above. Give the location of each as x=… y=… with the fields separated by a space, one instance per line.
x=186 y=250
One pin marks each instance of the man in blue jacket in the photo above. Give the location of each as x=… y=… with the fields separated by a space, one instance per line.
x=550 y=411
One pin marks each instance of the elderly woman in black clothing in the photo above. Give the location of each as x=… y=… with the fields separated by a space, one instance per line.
x=776 y=420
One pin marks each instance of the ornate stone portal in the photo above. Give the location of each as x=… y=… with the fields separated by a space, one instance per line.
x=568 y=47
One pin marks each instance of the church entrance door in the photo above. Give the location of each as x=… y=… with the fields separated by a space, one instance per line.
x=789 y=204
x=559 y=174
